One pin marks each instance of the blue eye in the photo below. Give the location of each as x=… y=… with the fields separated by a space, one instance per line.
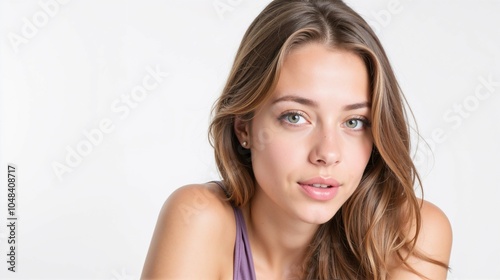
x=293 y=118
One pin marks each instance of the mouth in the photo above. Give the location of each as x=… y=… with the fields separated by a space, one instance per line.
x=321 y=186
x=320 y=183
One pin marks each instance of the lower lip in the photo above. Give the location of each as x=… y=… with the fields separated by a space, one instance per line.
x=321 y=194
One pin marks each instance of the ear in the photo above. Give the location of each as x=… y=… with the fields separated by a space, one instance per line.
x=242 y=130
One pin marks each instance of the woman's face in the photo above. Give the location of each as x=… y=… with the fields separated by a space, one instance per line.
x=311 y=142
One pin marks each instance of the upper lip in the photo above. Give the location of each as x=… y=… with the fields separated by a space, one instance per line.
x=320 y=180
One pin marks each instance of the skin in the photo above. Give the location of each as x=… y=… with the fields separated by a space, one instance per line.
x=319 y=144
x=308 y=129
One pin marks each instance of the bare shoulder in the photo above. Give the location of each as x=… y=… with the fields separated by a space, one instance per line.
x=434 y=241
x=435 y=238
x=435 y=235
x=193 y=237
x=197 y=203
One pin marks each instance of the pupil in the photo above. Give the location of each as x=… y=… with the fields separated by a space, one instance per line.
x=294 y=118
x=352 y=123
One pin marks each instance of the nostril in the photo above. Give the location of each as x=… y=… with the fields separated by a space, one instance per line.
x=321 y=161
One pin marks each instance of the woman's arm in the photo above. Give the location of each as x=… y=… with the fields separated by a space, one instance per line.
x=188 y=241
x=434 y=241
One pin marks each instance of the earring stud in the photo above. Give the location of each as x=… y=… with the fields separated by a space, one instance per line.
x=244 y=144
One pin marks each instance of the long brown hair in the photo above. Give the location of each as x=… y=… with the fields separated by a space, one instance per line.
x=369 y=231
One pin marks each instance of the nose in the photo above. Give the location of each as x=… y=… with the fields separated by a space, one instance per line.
x=326 y=149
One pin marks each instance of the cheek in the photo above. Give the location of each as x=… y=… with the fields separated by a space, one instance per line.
x=364 y=152
x=262 y=138
x=270 y=151
x=357 y=158
x=275 y=155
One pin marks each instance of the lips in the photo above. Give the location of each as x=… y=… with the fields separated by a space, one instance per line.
x=320 y=182
x=319 y=188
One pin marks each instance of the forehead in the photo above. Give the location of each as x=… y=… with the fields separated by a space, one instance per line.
x=318 y=72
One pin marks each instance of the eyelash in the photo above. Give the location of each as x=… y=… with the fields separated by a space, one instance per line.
x=282 y=118
x=364 y=120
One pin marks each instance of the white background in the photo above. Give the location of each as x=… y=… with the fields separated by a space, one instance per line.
x=63 y=75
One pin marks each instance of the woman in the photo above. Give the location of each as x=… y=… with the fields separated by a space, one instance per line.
x=312 y=142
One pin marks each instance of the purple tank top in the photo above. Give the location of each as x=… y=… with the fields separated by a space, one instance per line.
x=243 y=268
x=243 y=261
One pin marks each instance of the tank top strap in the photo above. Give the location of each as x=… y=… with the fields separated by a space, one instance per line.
x=243 y=268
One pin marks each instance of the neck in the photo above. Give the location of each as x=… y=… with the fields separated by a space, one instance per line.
x=279 y=241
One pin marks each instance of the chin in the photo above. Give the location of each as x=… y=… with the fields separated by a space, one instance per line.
x=318 y=216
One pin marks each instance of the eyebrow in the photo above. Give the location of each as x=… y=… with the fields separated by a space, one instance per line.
x=356 y=106
x=297 y=99
x=312 y=103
